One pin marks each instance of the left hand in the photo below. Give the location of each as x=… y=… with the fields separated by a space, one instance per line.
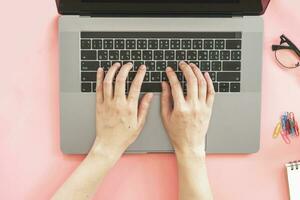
x=119 y=119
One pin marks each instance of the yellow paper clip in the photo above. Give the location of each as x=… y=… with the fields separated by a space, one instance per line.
x=277 y=130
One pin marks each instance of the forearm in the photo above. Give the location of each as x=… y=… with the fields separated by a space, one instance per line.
x=84 y=181
x=193 y=179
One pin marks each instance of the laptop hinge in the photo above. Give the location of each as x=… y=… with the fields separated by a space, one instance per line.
x=161 y=15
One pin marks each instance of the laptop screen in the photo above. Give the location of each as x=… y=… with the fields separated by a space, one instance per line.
x=162 y=7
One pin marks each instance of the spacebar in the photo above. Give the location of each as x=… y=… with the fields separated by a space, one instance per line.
x=151 y=87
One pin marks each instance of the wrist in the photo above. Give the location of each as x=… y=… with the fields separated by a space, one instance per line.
x=102 y=150
x=191 y=152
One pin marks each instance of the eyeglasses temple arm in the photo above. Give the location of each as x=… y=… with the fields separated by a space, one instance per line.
x=290 y=43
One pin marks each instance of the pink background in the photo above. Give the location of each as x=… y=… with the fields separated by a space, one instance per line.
x=32 y=166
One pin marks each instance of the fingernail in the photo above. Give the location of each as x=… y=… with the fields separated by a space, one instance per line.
x=182 y=62
x=100 y=69
x=142 y=67
x=169 y=69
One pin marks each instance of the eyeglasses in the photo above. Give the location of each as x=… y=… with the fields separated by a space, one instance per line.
x=287 y=54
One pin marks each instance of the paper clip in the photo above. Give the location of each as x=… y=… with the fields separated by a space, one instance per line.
x=292 y=124
x=284 y=132
x=296 y=128
x=277 y=130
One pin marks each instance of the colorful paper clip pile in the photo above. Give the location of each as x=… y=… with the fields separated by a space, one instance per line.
x=287 y=127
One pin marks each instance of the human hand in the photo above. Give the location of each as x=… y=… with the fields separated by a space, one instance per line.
x=186 y=119
x=119 y=119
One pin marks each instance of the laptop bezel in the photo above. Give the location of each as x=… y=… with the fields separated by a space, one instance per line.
x=244 y=7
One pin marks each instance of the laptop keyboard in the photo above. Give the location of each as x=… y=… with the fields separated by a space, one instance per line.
x=218 y=53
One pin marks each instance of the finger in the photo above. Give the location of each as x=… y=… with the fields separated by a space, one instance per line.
x=120 y=85
x=99 y=85
x=176 y=89
x=108 y=81
x=202 y=88
x=166 y=100
x=192 y=88
x=144 y=108
x=135 y=88
x=210 y=90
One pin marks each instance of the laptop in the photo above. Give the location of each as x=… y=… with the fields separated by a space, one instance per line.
x=223 y=37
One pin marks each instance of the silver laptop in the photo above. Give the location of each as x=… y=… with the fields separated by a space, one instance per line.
x=223 y=37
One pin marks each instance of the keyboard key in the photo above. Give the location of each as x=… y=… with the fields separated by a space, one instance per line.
x=94 y=87
x=108 y=44
x=224 y=87
x=225 y=55
x=208 y=44
x=180 y=55
x=120 y=44
x=236 y=55
x=175 y=44
x=170 y=55
x=86 y=87
x=219 y=44
x=216 y=86
x=137 y=64
x=164 y=44
x=197 y=44
x=131 y=76
x=85 y=44
x=147 y=55
x=228 y=76
x=186 y=44
x=150 y=65
x=202 y=55
x=164 y=76
x=212 y=75
x=136 y=55
x=130 y=44
x=179 y=76
x=161 y=66
x=152 y=44
x=88 y=55
x=233 y=44
x=97 y=44
x=191 y=55
x=89 y=65
x=205 y=65
x=88 y=76
x=125 y=55
x=103 y=55
x=105 y=65
x=231 y=66
x=216 y=65
x=173 y=65
x=151 y=87
x=155 y=76
x=141 y=44
x=147 y=76
x=234 y=87
x=214 y=55
x=158 y=55
x=113 y=55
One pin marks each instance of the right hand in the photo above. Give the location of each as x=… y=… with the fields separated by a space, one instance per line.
x=186 y=119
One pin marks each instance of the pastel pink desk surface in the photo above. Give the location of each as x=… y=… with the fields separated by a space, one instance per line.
x=32 y=166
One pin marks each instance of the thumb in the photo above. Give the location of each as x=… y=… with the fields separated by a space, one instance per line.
x=166 y=100
x=144 y=108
